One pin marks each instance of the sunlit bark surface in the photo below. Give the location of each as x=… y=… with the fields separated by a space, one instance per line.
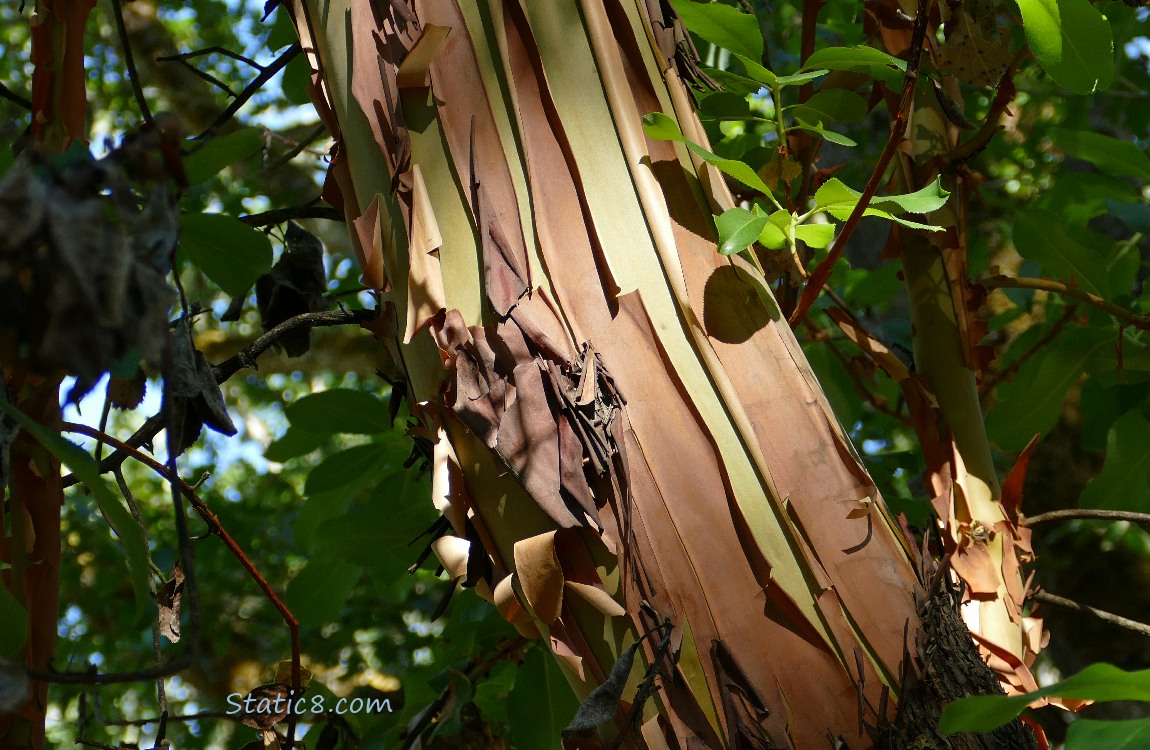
x=625 y=428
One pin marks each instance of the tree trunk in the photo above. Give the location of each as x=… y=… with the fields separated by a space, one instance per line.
x=625 y=430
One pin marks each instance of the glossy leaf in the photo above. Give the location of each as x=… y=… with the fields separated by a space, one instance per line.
x=774 y=234
x=1098 y=682
x=1088 y=734
x=834 y=105
x=839 y=200
x=229 y=252
x=661 y=127
x=219 y=152
x=350 y=470
x=1124 y=482
x=319 y=592
x=540 y=704
x=867 y=60
x=738 y=228
x=1071 y=41
x=1031 y=402
x=830 y=135
x=1112 y=155
x=798 y=79
x=1042 y=236
x=340 y=410
x=294 y=442
x=722 y=26
x=816 y=236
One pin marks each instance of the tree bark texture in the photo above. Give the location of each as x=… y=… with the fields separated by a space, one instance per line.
x=624 y=427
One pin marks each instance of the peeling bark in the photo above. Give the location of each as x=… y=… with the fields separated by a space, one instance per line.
x=612 y=455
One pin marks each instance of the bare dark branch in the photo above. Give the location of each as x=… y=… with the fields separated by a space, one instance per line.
x=1123 y=622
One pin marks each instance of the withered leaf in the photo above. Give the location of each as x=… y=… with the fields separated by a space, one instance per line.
x=169 y=599
x=266 y=705
x=127 y=393
x=295 y=285
x=600 y=705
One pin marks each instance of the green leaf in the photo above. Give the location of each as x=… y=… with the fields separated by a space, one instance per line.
x=799 y=79
x=830 y=135
x=1124 y=482
x=724 y=105
x=350 y=470
x=867 y=60
x=661 y=127
x=229 y=252
x=283 y=32
x=1088 y=734
x=378 y=536
x=221 y=151
x=1043 y=237
x=816 y=236
x=86 y=469
x=722 y=26
x=733 y=82
x=318 y=593
x=294 y=442
x=297 y=77
x=738 y=228
x=1071 y=41
x=832 y=105
x=541 y=704
x=1112 y=155
x=758 y=72
x=839 y=201
x=1032 y=402
x=1098 y=682
x=340 y=410
x=774 y=234
x=13 y=623
x=1136 y=216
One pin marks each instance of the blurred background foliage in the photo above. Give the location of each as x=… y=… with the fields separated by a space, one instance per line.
x=327 y=505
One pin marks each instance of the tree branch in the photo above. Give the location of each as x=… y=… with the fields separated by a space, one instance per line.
x=1122 y=622
x=1085 y=514
x=266 y=74
x=1057 y=287
x=823 y=271
x=280 y=215
x=224 y=370
x=130 y=62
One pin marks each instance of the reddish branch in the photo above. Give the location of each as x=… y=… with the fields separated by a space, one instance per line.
x=822 y=272
x=214 y=527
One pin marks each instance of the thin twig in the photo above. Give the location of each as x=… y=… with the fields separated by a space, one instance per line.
x=245 y=358
x=823 y=271
x=280 y=215
x=12 y=96
x=205 y=75
x=1118 y=620
x=1085 y=514
x=184 y=56
x=296 y=150
x=266 y=74
x=235 y=716
x=214 y=527
x=1039 y=345
x=1057 y=287
x=130 y=62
